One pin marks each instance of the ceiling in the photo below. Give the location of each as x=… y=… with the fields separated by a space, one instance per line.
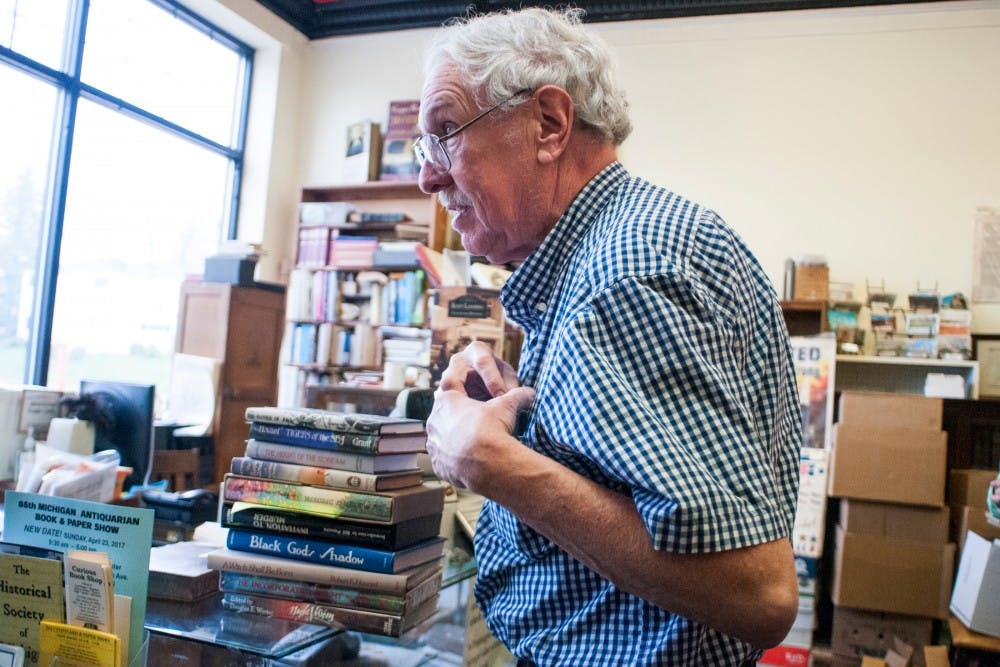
x=327 y=18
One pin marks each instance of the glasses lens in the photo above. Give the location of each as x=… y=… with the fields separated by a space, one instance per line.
x=429 y=150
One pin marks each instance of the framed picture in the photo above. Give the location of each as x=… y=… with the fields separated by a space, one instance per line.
x=987 y=351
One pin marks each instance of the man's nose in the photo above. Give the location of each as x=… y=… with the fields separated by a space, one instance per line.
x=432 y=181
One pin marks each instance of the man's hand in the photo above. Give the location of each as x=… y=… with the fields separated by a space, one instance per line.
x=481 y=375
x=475 y=411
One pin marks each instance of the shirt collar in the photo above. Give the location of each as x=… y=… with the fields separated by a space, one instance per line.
x=526 y=295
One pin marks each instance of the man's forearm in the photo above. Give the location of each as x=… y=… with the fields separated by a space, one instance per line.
x=748 y=593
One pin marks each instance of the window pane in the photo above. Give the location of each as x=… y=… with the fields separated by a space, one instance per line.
x=35 y=28
x=25 y=134
x=143 y=210
x=141 y=54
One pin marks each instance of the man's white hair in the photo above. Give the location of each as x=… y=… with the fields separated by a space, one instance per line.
x=501 y=53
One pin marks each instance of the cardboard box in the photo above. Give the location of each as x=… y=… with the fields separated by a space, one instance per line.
x=968 y=486
x=908 y=522
x=858 y=632
x=889 y=410
x=964 y=518
x=976 y=598
x=812 y=283
x=894 y=575
x=889 y=465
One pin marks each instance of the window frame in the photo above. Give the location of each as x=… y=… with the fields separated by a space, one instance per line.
x=70 y=89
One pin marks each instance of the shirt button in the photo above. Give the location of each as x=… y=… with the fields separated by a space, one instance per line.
x=541 y=306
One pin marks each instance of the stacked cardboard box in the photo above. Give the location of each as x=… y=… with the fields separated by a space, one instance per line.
x=967 y=499
x=975 y=599
x=893 y=565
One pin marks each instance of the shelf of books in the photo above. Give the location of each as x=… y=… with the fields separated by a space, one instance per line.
x=356 y=304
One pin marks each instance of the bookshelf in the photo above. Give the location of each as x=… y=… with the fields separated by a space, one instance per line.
x=353 y=306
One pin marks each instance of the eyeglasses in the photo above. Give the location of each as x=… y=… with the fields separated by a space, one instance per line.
x=429 y=148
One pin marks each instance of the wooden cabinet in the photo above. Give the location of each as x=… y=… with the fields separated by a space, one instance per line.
x=803 y=317
x=242 y=328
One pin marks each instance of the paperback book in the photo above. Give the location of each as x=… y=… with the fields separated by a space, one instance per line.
x=248 y=516
x=346 y=422
x=384 y=506
x=31 y=581
x=340 y=555
x=229 y=560
x=338 y=596
x=364 y=463
x=381 y=623
x=363 y=443
x=63 y=644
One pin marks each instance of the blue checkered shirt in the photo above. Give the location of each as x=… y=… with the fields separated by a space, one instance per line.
x=662 y=367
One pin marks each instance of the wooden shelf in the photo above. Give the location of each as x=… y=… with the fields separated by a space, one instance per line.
x=364 y=191
x=804 y=318
x=900 y=374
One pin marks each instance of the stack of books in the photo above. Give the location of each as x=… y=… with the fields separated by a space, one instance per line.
x=330 y=522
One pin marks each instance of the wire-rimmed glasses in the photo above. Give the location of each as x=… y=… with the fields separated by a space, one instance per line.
x=429 y=148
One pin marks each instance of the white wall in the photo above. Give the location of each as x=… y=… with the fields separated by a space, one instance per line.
x=869 y=135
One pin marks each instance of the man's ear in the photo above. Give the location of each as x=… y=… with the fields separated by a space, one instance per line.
x=555 y=116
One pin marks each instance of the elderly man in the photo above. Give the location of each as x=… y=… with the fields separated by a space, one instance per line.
x=640 y=467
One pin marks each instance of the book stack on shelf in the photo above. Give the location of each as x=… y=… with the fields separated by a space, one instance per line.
x=330 y=522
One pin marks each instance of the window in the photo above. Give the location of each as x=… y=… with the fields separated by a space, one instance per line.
x=123 y=147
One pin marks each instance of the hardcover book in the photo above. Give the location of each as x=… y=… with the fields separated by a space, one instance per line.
x=344 y=422
x=317 y=476
x=384 y=506
x=364 y=463
x=349 y=531
x=398 y=160
x=229 y=560
x=179 y=571
x=236 y=582
x=364 y=150
x=380 y=623
x=340 y=555
x=33 y=585
x=362 y=443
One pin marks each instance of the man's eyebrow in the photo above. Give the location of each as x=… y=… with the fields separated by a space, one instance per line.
x=434 y=110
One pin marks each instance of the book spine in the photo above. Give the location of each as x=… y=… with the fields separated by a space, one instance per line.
x=315 y=499
x=270 y=451
x=317 y=420
x=364 y=443
x=283 y=568
x=312 y=551
x=314 y=475
x=311 y=612
x=235 y=582
x=286 y=523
